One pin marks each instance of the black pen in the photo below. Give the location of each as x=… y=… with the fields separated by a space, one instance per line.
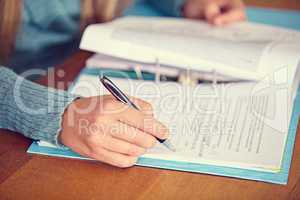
x=120 y=96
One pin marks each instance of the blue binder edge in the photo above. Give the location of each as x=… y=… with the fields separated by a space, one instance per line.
x=267 y=16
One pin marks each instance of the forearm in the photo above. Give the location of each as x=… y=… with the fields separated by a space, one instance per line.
x=31 y=109
x=169 y=7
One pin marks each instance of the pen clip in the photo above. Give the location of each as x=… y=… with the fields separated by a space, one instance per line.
x=116 y=92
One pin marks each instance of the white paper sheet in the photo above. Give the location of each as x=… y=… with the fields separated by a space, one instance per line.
x=230 y=125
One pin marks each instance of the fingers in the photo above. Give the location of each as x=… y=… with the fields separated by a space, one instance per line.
x=221 y=12
x=217 y=12
x=113 y=158
x=144 y=106
x=105 y=148
x=230 y=17
x=136 y=118
x=133 y=135
x=113 y=133
x=144 y=122
x=120 y=146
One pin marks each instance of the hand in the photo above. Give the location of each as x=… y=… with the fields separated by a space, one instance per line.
x=217 y=12
x=107 y=130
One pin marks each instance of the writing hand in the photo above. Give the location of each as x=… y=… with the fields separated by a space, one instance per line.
x=107 y=130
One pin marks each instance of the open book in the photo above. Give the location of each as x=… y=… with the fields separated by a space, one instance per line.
x=244 y=50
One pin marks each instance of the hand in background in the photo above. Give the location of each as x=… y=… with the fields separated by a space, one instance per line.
x=107 y=130
x=217 y=12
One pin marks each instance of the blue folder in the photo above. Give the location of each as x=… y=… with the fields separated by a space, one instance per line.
x=289 y=19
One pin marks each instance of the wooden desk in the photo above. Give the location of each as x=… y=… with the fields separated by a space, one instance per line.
x=24 y=176
x=41 y=177
x=281 y=4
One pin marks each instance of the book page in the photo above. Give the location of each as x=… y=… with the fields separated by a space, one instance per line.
x=197 y=39
x=234 y=50
x=240 y=125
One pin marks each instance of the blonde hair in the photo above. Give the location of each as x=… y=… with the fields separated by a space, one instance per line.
x=9 y=22
x=92 y=11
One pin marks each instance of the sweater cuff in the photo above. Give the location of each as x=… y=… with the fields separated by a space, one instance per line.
x=34 y=110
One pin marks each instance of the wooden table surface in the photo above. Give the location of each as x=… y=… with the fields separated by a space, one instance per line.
x=25 y=176
x=281 y=4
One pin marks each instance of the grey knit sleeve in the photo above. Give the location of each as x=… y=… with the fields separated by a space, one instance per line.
x=31 y=109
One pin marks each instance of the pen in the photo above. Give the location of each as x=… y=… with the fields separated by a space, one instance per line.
x=120 y=96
